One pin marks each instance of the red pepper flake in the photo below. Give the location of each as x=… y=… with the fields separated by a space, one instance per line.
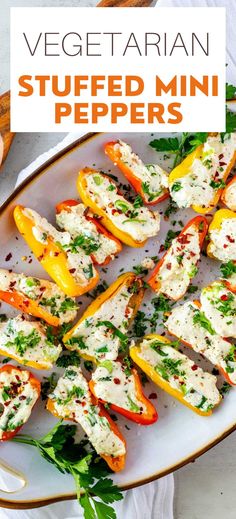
x=40 y=257
x=221 y=156
x=194 y=367
x=225 y=246
x=230 y=239
x=224 y=297
x=8 y=257
x=116 y=380
x=152 y=396
x=56 y=254
x=162 y=248
x=169 y=266
x=22 y=397
x=222 y=164
x=72 y=271
x=42 y=289
x=183 y=238
x=12 y=284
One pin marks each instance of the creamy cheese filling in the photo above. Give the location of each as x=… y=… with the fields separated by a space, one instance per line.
x=140 y=223
x=223 y=240
x=219 y=306
x=91 y=240
x=17 y=397
x=206 y=174
x=230 y=196
x=99 y=335
x=72 y=399
x=154 y=178
x=179 y=264
x=190 y=324
x=27 y=340
x=47 y=294
x=115 y=386
x=197 y=387
x=79 y=264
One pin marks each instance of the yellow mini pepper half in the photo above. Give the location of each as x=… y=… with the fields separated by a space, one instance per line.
x=105 y=219
x=129 y=279
x=135 y=354
x=184 y=169
x=52 y=258
x=215 y=225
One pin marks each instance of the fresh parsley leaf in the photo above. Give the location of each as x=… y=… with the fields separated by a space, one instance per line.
x=139 y=324
x=171 y=235
x=48 y=385
x=138 y=202
x=201 y=319
x=192 y=289
x=230 y=91
x=170 y=144
x=171 y=209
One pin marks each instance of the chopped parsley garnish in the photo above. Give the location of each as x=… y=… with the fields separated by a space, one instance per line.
x=176 y=186
x=139 y=269
x=203 y=401
x=180 y=147
x=115 y=332
x=139 y=324
x=228 y=269
x=70 y=358
x=3 y=318
x=225 y=388
x=192 y=289
x=133 y=407
x=230 y=91
x=161 y=303
x=57 y=309
x=98 y=290
x=77 y=341
x=171 y=209
x=201 y=319
x=226 y=307
x=217 y=184
x=48 y=385
x=88 y=271
x=171 y=235
x=138 y=202
x=88 y=365
x=22 y=342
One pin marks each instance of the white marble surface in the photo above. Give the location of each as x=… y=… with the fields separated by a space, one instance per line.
x=204 y=489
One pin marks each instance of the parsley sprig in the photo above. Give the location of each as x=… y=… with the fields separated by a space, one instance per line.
x=88 y=470
x=179 y=146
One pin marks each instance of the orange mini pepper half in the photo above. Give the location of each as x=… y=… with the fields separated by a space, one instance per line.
x=34 y=305
x=66 y=206
x=130 y=280
x=80 y=406
x=52 y=258
x=160 y=376
x=131 y=229
x=215 y=225
x=201 y=225
x=144 y=413
x=17 y=387
x=128 y=169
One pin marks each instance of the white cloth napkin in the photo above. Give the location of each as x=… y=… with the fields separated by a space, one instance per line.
x=152 y=501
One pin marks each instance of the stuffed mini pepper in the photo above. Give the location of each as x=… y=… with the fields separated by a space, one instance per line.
x=19 y=391
x=37 y=297
x=218 y=303
x=87 y=232
x=130 y=223
x=178 y=266
x=120 y=387
x=101 y=331
x=222 y=236
x=66 y=263
x=72 y=400
x=148 y=180
x=176 y=374
x=189 y=323
x=228 y=196
x=198 y=181
x=28 y=343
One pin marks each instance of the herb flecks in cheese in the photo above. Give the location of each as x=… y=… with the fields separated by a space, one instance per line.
x=86 y=234
x=79 y=264
x=197 y=387
x=140 y=223
x=219 y=306
x=190 y=324
x=17 y=397
x=179 y=265
x=72 y=399
x=223 y=241
x=102 y=334
x=206 y=174
x=47 y=294
x=154 y=179
x=114 y=386
x=28 y=342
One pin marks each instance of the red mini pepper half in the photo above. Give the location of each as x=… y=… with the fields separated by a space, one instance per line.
x=144 y=413
x=67 y=204
x=200 y=222
x=14 y=388
x=141 y=187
